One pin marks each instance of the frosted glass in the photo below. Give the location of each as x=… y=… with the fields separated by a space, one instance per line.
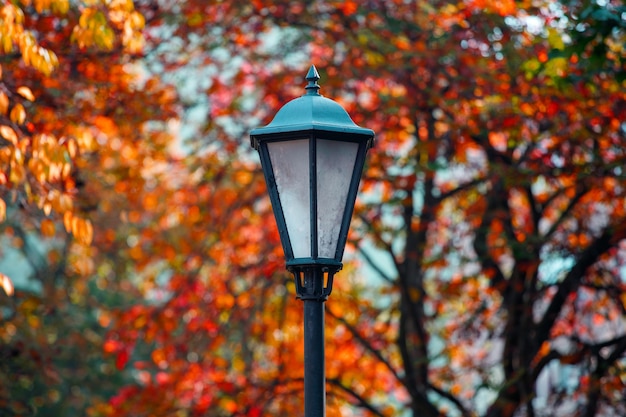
x=335 y=163
x=290 y=161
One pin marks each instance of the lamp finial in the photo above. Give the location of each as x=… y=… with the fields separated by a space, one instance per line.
x=312 y=76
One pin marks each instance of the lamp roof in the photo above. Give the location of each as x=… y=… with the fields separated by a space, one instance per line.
x=312 y=112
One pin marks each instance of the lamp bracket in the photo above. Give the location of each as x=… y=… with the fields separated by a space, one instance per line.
x=313 y=282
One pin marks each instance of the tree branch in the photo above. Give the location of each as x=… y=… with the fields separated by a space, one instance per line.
x=573 y=279
x=462 y=187
x=579 y=193
x=603 y=365
x=482 y=250
x=365 y=343
x=448 y=396
x=362 y=402
x=386 y=245
x=375 y=266
x=534 y=211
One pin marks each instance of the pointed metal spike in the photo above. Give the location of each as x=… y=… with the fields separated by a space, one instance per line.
x=312 y=76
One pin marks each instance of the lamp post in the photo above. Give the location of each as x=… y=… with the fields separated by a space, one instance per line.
x=312 y=155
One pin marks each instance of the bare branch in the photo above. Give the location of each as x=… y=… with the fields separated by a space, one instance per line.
x=365 y=343
x=603 y=365
x=374 y=265
x=460 y=188
x=535 y=212
x=573 y=280
x=448 y=396
x=386 y=245
x=572 y=203
x=481 y=248
x=362 y=402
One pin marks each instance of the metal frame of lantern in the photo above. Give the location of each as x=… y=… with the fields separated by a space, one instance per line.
x=312 y=155
x=299 y=266
x=313 y=120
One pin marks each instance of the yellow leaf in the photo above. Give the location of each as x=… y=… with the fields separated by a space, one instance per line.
x=238 y=364
x=6 y=284
x=26 y=93
x=106 y=38
x=18 y=114
x=18 y=14
x=7 y=44
x=556 y=66
x=41 y=5
x=555 y=39
x=61 y=6
x=137 y=20
x=27 y=54
x=33 y=321
x=9 y=134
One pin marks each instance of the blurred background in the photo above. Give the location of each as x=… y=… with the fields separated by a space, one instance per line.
x=140 y=265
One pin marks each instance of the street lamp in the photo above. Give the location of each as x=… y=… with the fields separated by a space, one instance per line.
x=312 y=155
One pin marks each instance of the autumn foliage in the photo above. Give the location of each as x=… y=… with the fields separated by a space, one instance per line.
x=141 y=269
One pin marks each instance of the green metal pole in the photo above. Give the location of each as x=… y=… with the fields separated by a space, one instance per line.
x=314 y=360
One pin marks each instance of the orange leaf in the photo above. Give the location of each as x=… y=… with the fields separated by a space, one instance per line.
x=543 y=351
x=9 y=134
x=26 y=93
x=67 y=221
x=82 y=229
x=349 y=8
x=47 y=228
x=4 y=103
x=6 y=284
x=88 y=235
x=498 y=140
x=18 y=114
x=111 y=346
x=159 y=357
x=598 y=319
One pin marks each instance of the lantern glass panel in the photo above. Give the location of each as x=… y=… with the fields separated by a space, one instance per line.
x=335 y=164
x=290 y=163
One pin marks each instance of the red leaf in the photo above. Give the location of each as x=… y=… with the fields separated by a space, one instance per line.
x=121 y=360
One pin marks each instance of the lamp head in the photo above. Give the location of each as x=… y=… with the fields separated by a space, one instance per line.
x=312 y=155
